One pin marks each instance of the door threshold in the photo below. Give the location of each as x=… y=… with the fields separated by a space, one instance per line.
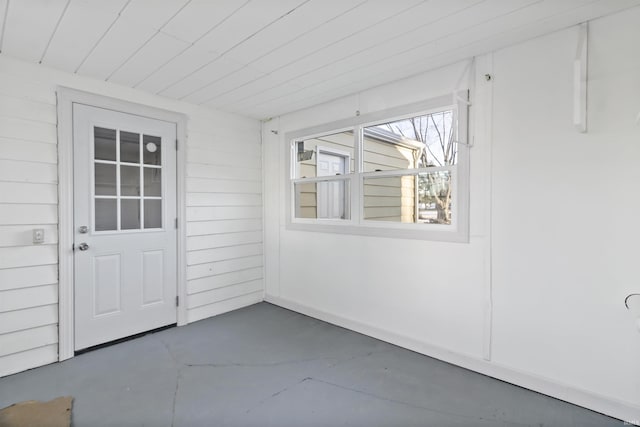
x=121 y=340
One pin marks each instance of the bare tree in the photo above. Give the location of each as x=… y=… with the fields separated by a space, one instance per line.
x=435 y=132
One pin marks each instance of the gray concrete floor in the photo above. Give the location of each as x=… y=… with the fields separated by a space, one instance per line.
x=267 y=366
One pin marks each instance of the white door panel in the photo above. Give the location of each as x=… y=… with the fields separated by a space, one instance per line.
x=331 y=195
x=125 y=279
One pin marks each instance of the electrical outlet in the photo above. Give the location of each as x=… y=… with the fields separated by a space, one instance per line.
x=38 y=235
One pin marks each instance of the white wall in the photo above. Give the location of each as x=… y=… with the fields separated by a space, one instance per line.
x=224 y=209
x=537 y=296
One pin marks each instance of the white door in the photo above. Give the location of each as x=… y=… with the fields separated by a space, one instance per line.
x=331 y=195
x=125 y=279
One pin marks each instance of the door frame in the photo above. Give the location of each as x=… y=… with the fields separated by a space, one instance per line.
x=66 y=97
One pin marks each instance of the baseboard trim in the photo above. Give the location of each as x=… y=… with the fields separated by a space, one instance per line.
x=627 y=412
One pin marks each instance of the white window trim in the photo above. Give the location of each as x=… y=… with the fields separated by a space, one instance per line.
x=458 y=231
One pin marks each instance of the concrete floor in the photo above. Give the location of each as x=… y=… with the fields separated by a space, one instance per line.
x=266 y=366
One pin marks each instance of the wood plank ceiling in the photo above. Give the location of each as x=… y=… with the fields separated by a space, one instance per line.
x=262 y=58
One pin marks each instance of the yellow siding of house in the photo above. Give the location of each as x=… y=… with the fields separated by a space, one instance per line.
x=385 y=199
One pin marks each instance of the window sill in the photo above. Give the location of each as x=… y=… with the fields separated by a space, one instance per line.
x=433 y=232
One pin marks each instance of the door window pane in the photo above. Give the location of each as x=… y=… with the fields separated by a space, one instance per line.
x=105 y=180
x=129 y=214
x=153 y=182
x=129 y=147
x=153 y=214
x=106 y=214
x=104 y=141
x=152 y=150
x=129 y=181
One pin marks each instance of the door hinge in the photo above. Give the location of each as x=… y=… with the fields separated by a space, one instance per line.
x=176 y=223
x=177 y=301
x=176 y=145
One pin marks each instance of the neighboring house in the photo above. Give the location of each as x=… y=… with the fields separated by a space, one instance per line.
x=386 y=199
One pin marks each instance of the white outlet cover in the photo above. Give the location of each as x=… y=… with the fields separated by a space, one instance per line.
x=38 y=235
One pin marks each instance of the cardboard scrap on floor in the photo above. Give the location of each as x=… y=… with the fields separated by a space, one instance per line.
x=32 y=413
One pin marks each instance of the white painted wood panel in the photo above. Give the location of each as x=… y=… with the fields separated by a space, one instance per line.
x=223 y=199
x=24 y=256
x=217 y=68
x=305 y=19
x=215 y=295
x=19 y=341
x=21 y=192
x=220 y=307
x=18 y=320
x=201 y=16
x=343 y=26
x=250 y=159
x=18 y=299
x=239 y=77
x=79 y=31
x=40 y=17
x=443 y=36
x=15 y=278
x=223 y=226
x=157 y=51
x=111 y=6
x=22 y=235
x=18 y=107
x=227 y=279
x=13 y=149
x=3 y=10
x=176 y=69
x=222 y=254
x=408 y=21
x=18 y=171
x=199 y=170
x=152 y=12
x=122 y=40
x=221 y=240
x=245 y=22
x=212 y=213
x=231 y=125
x=218 y=140
x=27 y=130
x=220 y=267
x=248 y=90
x=28 y=359
x=209 y=185
x=15 y=214
x=26 y=89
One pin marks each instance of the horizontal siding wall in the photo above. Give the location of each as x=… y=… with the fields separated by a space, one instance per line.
x=28 y=200
x=224 y=209
x=224 y=217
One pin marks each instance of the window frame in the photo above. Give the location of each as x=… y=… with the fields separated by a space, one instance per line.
x=457 y=231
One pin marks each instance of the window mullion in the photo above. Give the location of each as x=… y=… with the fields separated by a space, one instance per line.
x=357 y=195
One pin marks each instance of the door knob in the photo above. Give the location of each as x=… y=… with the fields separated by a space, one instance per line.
x=83 y=246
